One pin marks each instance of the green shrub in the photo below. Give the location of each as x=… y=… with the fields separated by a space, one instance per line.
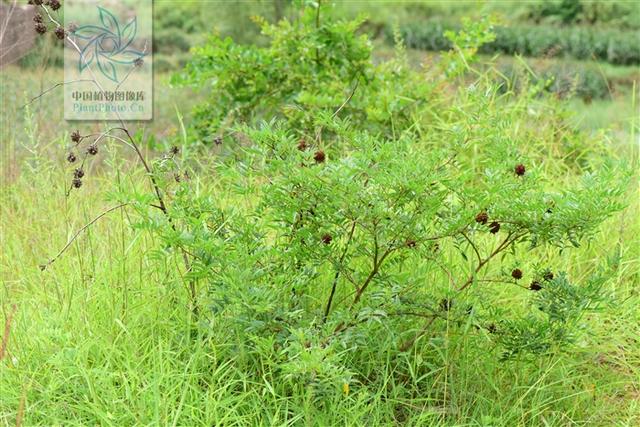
x=362 y=201
x=361 y=206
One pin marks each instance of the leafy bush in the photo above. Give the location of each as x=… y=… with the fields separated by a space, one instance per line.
x=361 y=200
x=616 y=47
x=361 y=203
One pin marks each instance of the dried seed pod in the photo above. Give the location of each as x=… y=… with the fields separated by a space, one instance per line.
x=411 y=243
x=494 y=227
x=77 y=182
x=482 y=217
x=492 y=328
x=326 y=239
x=516 y=274
x=71 y=157
x=40 y=28
x=138 y=62
x=217 y=140
x=535 y=286
x=302 y=144
x=519 y=169
x=319 y=156
x=548 y=275
x=78 y=173
x=60 y=33
x=92 y=150
x=54 y=4
x=37 y=18
x=75 y=136
x=174 y=150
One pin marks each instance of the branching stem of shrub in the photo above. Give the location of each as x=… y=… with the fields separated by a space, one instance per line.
x=337 y=275
x=75 y=236
x=154 y=183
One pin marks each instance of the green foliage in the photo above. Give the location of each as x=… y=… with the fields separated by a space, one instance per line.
x=614 y=46
x=352 y=202
x=309 y=68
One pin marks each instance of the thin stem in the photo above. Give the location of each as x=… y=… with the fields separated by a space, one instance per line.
x=75 y=236
x=337 y=275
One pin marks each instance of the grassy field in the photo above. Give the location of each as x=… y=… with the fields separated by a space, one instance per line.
x=105 y=335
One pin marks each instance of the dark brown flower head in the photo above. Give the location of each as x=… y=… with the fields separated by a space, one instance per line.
x=326 y=239
x=54 y=4
x=446 y=304
x=75 y=136
x=548 y=276
x=37 y=18
x=302 y=144
x=492 y=328
x=217 y=140
x=40 y=28
x=494 y=227
x=482 y=217
x=77 y=182
x=411 y=243
x=319 y=156
x=71 y=157
x=174 y=150
x=37 y=2
x=138 y=62
x=60 y=33
x=78 y=173
x=516 y=274
x=519 y=169
x=535 y=286
x=92 y=150
x=177 y=177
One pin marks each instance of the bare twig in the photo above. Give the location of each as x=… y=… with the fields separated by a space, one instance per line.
x=75 y=236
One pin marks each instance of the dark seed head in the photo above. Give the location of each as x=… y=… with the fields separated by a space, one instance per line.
x=494 y=227
x=78 y=173
x=411 y=243
x=482 y=217
x=516 y=274
x=174 y=150
x=40 y=28
x=446 y=304
x=37 y=18
x=77 y=182
x=92 y=150
x=60 y=33
x=326 y=239
x=37 y=2
x=492 y=328
x=75 y=136
x=177 y=177
x=548 y=276
x=519 y=169
x=71 y=157
x=319 y=156
x=535 y=286
x=302 y=144
x=217 y=140
x=54 y=4
x=139 y=62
